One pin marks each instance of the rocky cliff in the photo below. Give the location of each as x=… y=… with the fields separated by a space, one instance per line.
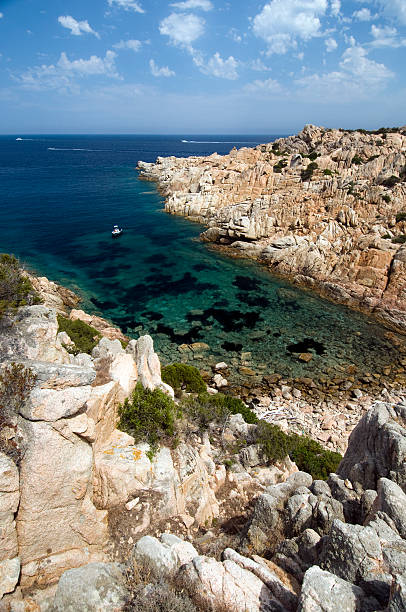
x=325 y=208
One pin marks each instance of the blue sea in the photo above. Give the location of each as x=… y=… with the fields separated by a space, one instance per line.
x=60 y=197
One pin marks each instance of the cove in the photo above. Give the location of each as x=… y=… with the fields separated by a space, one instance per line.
x=61 y=196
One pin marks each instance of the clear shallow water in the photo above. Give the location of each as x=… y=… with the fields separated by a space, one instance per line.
x=61 y=195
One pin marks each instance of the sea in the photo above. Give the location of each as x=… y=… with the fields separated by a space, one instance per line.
x=60 y=196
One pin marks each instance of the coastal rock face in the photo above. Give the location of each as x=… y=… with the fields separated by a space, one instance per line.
x=319 y=208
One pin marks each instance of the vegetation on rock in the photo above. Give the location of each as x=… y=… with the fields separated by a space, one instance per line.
x=182 y=376
x=308 y=454
x=16 y=382
x=206 y=408
x=15 y=288
x=82 y=335
x=307 y=173
x=149 y=416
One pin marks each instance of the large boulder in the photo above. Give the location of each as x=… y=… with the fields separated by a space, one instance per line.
x=325 y=592
x=95 y=587
x=164 y=556
x=148 y=365
x=377 y=448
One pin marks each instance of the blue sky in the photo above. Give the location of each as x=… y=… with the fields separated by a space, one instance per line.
x=200 y=66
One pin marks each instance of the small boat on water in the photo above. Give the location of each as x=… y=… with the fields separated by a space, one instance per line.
x=117 y=231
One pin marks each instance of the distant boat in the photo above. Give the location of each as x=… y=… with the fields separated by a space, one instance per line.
x=18 y=138
x=117 y=231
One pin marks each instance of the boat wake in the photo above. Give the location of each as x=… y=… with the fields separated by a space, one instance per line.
x=77 y=149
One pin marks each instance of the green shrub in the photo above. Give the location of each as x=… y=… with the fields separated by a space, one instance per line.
x=313 y=155
x=311 y=457
x=327 y=172
x=206 y=408
x=275 y=444
x=307 y=173
x=399 y=239
x=357 y=160
x=282 y=163
x=149 y=416
x=16 y=382
x=391 y=181
x=15 y=288
x=82 y=335
x=386 y=198
x=401 y=216
x=386 y=236
x=372 y=158
x=182 y=376
x=308 y=454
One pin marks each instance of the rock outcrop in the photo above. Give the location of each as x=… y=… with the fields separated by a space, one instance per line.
x=324 y=208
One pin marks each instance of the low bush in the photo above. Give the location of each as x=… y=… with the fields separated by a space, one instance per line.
x=182 y=376
x=313 y=155
x=401 y=216
x=327 y=172
x=16 y=382
x=399 y=239
x=149 y=416
x=311 y=457
x=82 y=335
x=15 y=288
x=357 y=160
x=307 y=173
x=386 y=198
x=282 y=163
x=206 y=409
x=391 y=181
x=308 y=454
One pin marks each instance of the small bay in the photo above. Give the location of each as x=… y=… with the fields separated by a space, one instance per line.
x=60 y=197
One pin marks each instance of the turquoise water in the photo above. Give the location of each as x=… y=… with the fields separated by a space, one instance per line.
x=61 y=196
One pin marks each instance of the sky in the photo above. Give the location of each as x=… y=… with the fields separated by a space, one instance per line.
x=200 y=66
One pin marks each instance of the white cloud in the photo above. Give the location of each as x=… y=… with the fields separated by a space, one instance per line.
x=134 y=45
x=363 y=14
x=282 y=22
x=160 y=72
x=395 y=9
x=331 y=44
x=1 y=15
x=335 y=7
x=386 y=36
x=266 y=86
x=182 y=29
x=235 y=35
x=259 y=66
x=357 y=78
x=128 y=5
x=62 y=74
x=204 y=5
x=217 y=66
x=76 y=27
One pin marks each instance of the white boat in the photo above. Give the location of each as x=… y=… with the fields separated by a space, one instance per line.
x=18 y=138
x=117 y=231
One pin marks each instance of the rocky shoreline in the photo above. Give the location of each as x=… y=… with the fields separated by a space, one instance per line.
x=325 y=209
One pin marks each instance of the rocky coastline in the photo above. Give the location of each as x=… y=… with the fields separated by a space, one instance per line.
x=84 y=507
x=325 y=209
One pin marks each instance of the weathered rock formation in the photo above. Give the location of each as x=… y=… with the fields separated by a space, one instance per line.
x=327 y=224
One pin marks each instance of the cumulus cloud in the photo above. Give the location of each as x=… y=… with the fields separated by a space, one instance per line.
x=386 y=36
x=134 y=45
x=182 y=29
x=62 y=74
x=266 y=86
x=363 y=14
x=160 y=72
x=259 y=66
x=204 y=5
x=282 y=22
x=1 y=15
x=217 y=66
x=127 y=5
x=335 y=7
x=357 y=78
x=395 y=9
x=77 y=28
x=331 y=44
